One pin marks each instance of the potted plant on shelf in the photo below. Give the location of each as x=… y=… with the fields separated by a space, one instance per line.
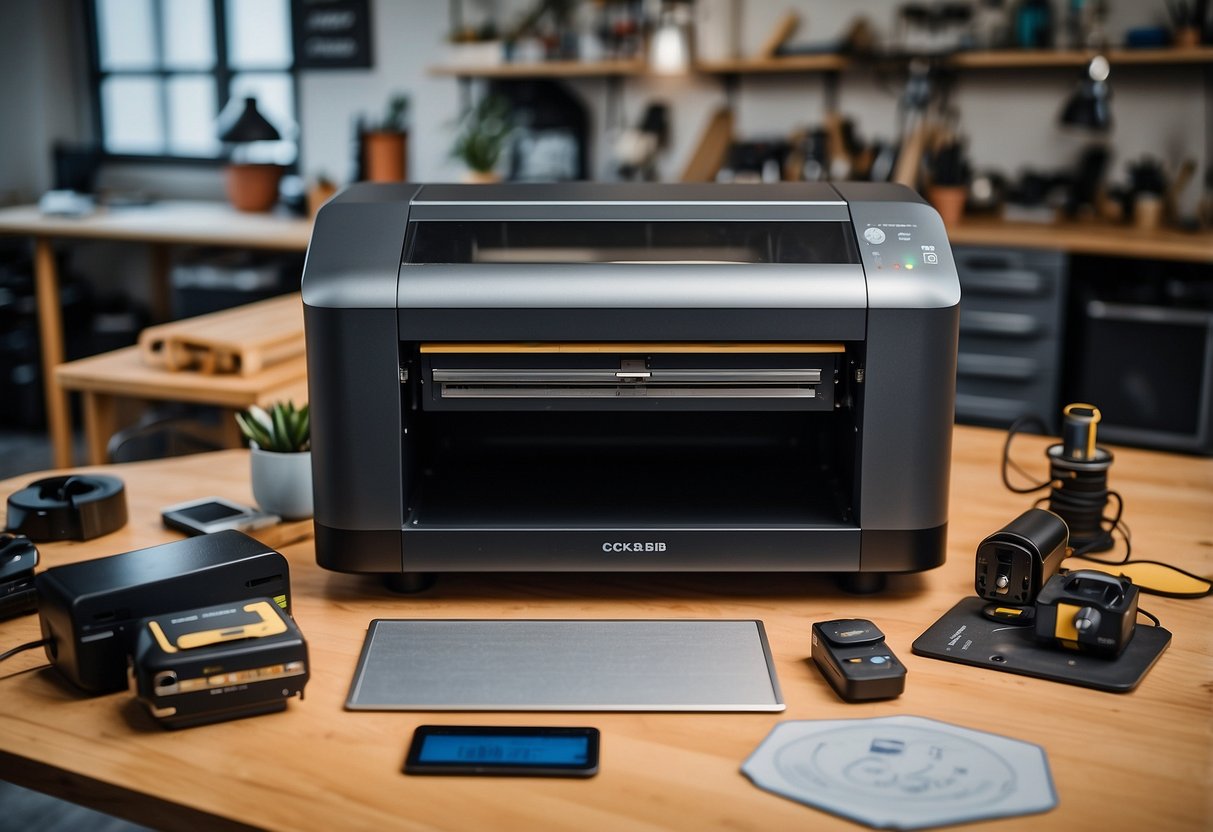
x=949 y=180
x=281 y=458
x=483 y=134
x=385 y=144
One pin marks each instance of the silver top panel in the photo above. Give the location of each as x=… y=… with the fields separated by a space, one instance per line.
x=632 y=286
x=562 y=665
x=629 y=201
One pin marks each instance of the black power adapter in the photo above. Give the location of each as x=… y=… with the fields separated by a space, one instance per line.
x=1015 y=562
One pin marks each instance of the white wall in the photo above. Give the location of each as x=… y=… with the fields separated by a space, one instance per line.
x=40 y=75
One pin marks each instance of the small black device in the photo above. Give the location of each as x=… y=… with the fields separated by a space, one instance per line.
x=1014 y=562
x=853 y=656
x=18 y=557
x=217 y=663
x=496 y=750
x=88 y=610
x=71 y=507
x=1089 y=611
x=215 y=514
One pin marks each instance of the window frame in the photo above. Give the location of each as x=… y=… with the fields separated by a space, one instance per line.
x=222 y=73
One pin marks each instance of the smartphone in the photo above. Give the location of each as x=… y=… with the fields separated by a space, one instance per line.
x=215 y=514
x=534 y=752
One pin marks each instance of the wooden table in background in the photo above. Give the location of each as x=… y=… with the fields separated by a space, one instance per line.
x=105 y=378
x=160 y=225
x=1141 y=760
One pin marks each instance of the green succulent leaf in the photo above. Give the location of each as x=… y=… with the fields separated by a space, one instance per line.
x=282 y=429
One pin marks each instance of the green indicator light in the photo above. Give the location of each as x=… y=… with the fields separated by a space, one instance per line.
x=909 y=265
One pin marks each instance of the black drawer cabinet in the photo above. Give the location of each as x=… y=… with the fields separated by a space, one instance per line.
x=1011 y=334
x=1140 y=347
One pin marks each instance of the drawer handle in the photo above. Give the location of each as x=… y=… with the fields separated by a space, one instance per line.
x=1000 y=367
x=998 y=323
x=1014 y=282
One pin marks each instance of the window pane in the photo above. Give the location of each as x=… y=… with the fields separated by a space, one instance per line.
x=126 y=34
x=191 y=116
x=259 y=34
x=189 y=34
x=134 y=120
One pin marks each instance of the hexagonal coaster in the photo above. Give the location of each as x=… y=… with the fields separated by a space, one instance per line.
x=902 y=772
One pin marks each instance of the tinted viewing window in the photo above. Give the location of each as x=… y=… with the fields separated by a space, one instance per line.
x=630 y=242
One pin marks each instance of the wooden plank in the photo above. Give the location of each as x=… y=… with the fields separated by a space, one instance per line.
x=124 y=373
x=1086 y=238
x=712 y=150
x=175 y=222
x=977 y=59
x=99 y=425
x=788 y=63
x=545 y=69
x=1044 y=58
x=50 y=333
x=783 y=30
x=242 y=341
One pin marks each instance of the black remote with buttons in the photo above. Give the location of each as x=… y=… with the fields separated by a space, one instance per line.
x=855 y=660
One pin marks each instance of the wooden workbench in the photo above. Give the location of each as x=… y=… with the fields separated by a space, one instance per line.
x=160 y=226
x=124 y=374
x=1142 y=760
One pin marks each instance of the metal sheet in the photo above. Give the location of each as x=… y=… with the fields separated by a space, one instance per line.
x=562 y=665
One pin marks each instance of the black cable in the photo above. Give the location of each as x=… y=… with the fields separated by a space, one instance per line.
x=29 y=645
x=1081 y=501
x=1018 y=426
x=1150 y=616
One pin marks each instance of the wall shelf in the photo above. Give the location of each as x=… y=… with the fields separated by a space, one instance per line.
x=826 y=62
x=1086 y=238
x=833 y=62
x=544 y=69
x=978 y=59
x=1045 y=58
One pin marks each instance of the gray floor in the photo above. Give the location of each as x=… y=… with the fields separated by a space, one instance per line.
x=22 y=452
x=22 y=809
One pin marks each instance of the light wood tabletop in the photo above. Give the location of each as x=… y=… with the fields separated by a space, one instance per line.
x=1141 y=760
x=124 y=374
x=159 y=225
x=128 y=373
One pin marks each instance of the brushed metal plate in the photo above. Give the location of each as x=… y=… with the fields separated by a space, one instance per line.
x=565 y=665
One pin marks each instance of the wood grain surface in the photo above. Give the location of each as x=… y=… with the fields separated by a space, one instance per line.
x=243 y=341
x=1120 y=761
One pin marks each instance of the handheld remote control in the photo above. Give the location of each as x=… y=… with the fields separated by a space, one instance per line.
x=855 y=660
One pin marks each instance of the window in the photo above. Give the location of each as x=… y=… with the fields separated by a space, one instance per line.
x=166 y=71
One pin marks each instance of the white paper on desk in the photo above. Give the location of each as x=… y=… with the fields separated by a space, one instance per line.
x=902 y=772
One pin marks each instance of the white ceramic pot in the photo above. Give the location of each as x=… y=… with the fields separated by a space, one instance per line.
x=282 y=483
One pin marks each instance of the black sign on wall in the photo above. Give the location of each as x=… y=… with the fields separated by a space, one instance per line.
x=332 y=34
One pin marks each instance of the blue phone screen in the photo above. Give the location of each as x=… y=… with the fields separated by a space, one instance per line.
x=504 y=749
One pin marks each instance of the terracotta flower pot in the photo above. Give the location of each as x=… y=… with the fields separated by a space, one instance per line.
x=252 y=187
x=1187 y=37
x=481 y=177
x=318 y=194
x=949 y=201
x=385 y=156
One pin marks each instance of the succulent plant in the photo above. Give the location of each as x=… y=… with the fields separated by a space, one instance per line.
x=283 y=429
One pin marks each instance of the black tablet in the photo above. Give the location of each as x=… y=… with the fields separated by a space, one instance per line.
x=535 y=752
